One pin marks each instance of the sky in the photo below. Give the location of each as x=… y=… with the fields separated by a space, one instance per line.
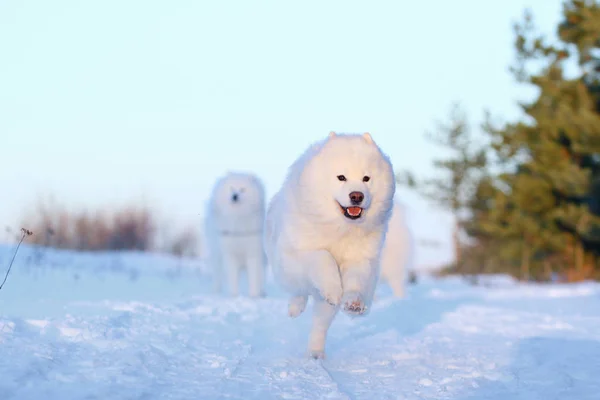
x=104 y=103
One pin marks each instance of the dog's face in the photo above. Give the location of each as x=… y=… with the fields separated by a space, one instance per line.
x=238 y=194
x=349 y=176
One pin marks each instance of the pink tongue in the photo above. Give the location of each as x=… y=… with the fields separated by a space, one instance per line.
x=354 y=211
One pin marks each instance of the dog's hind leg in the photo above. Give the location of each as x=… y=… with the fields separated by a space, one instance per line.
x=323 y=314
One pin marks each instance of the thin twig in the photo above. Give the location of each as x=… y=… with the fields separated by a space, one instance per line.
x=26 y=232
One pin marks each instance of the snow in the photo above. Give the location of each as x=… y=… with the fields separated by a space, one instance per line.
x=141 y=326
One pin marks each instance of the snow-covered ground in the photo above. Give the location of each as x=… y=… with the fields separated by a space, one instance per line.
x=134 y=326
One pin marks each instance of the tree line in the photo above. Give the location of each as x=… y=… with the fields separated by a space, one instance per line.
x=526 y=194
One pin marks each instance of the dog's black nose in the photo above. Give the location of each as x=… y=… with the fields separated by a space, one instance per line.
x=356 y=197
x=234 y=197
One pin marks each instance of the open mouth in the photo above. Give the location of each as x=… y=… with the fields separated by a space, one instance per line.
x=352 y=212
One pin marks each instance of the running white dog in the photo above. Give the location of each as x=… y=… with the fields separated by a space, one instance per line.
x=234 y=225
x=325 y=229
x=397 y=253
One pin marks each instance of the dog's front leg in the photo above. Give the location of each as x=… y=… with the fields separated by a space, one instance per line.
x=358 y=280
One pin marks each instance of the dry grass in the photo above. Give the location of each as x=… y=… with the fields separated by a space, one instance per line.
x=126 y=228
x=129 y=228
x=184 y=244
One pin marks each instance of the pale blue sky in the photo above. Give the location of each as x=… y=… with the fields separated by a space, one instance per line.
x=105 y=102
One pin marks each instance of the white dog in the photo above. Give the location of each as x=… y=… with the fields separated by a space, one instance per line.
x=234 y=225
x=397 y=253
x=325 y=228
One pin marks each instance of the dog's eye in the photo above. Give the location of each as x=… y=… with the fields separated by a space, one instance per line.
x=366 y=178
x=341 y=177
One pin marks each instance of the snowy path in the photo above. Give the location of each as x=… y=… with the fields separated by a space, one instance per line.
x=114 y=334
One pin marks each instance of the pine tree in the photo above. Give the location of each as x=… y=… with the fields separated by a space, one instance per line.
x=452 y=187
x=556 y=148
x=541 y=213
x=479 y=254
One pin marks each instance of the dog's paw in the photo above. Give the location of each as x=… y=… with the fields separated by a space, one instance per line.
x=353 y=304
x=297 y=305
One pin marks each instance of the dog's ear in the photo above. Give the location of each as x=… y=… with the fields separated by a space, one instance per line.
x=368 y=137
x=332 y=134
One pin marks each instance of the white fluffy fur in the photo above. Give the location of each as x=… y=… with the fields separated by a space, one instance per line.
x=234 y=232
x=312 y=247
x=397 y=253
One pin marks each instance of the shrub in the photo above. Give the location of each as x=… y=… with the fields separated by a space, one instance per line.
x=129 y=228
